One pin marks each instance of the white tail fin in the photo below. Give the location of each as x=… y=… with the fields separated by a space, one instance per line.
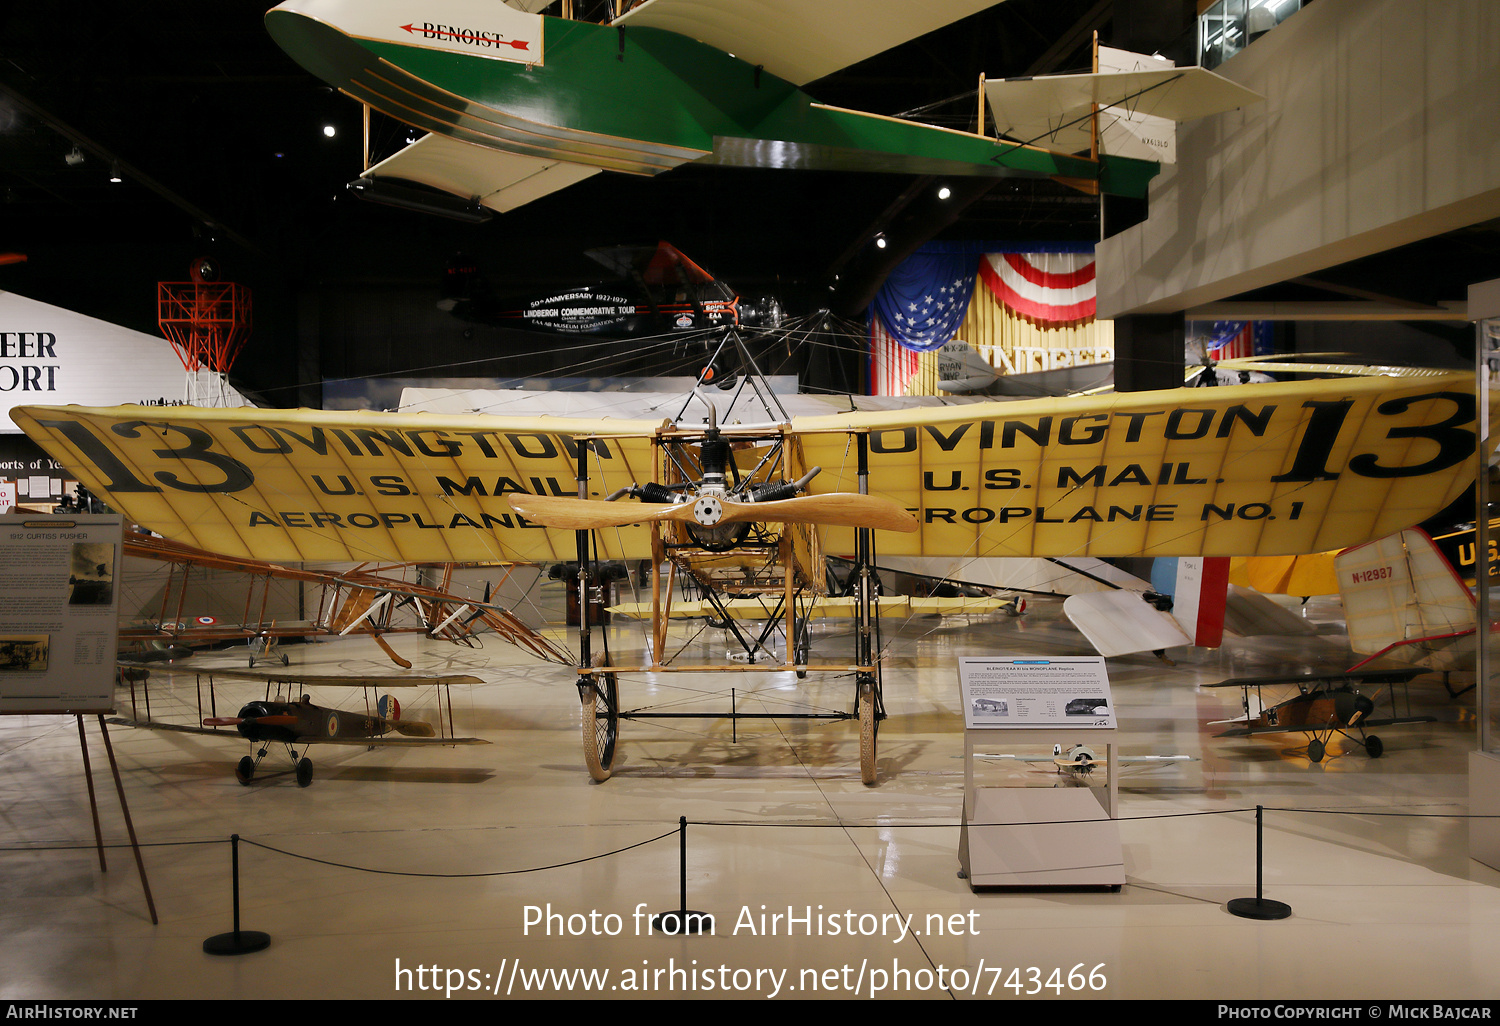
x=1400 y=589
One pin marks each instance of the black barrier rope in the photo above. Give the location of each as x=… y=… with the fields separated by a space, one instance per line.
x=90 y=847
x=839 y=824
x=682 y=920
x=459 y=876
x=842 y=824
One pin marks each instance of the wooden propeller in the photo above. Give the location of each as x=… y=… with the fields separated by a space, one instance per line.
x=839 y=509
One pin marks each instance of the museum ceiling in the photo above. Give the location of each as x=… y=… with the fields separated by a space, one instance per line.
x=217 y=137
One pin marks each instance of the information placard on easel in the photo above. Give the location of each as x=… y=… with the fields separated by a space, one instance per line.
x=59 y=612
x=1070 y=692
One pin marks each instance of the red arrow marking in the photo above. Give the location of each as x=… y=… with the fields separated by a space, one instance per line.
x=519 y=44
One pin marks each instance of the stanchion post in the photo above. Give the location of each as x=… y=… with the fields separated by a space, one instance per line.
x=683 y=920
x=1259 y=907
x=237 y=941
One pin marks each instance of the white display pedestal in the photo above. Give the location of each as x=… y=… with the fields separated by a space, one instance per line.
x=1040 y=836
x=1484 y=802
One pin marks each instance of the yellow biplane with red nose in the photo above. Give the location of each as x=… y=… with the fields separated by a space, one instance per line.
x=753 y=508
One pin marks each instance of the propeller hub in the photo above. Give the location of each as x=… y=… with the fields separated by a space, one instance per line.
x=708 y=511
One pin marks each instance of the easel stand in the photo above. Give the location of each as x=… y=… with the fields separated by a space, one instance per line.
x=88 y=775
x=1040 y=836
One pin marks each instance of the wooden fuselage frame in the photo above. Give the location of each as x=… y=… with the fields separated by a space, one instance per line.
x=780 y=562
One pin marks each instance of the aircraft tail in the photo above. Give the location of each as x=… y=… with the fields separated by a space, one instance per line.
x=1252 y=707
x=1199 y=587
x=1398 y=592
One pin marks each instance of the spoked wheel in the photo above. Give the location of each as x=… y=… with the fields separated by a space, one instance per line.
x=304 y=772
x=244 y=770
x=601 y=723
x=869 y=729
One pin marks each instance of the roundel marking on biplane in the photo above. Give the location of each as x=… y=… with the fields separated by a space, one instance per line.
x=206 y=621
x=333 y=724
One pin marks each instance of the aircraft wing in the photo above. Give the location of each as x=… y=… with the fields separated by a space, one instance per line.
x=1287 y=575
x=327 y=680
x=1301 y=683
x=176 y=728
x=1121 y=622
x=822 y=608
x=1155 y=473
x=1054 y=110
x=1325 y=365
x=801 y=40
x=1304 y=728
x=494 y=178
x=399 y=742
x=307 y=485
x=1049 y=575
x=1250 y=614
x=1064 y=762
x=363 y=742
x=1249 y=470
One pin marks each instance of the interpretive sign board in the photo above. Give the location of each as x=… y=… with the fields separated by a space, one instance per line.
x=59 y=612
x=1039 y=836
x=1070 y=692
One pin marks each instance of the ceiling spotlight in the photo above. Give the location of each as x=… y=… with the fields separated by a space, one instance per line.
x=880 y=241
x=944 y=192
x=330 y=131
x=74 y=157
x=114 y=173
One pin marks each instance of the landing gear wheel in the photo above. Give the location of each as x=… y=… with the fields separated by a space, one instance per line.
x=869 y=729
x=244 y=770
x=304 y=772
x=1374 y=747
x=601 y=724
x=802 y=648
x=1315 y=750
